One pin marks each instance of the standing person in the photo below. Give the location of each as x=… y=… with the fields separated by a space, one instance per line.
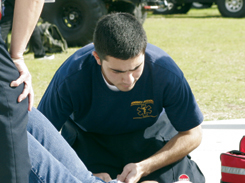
x=37 y=46
x=16 y=94
x=35 y=39
x=113 y=99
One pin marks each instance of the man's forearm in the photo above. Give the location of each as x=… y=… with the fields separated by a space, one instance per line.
x=26 y=15
x=178 y=147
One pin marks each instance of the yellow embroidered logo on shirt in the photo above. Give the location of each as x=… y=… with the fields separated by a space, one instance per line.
x=144 y=109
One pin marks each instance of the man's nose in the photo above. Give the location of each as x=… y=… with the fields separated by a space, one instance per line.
x=128 y=78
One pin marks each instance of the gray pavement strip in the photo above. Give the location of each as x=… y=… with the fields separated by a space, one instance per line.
x=224 y=126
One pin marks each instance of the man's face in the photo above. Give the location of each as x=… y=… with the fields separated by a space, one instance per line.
x=122 y=73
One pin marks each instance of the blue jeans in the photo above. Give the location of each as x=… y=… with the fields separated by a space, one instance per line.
x=52 y=158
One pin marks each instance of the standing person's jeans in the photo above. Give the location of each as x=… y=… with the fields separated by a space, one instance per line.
x=52 y=158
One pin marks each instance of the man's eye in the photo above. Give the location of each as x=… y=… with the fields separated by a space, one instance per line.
x=117 y=72
x=136 y=68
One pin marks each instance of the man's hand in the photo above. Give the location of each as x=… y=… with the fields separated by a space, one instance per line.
x=25 y=77
x=104 y=176
x=132 y=173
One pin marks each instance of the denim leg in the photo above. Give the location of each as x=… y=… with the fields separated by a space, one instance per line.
x=45 y=168
x=52 y=158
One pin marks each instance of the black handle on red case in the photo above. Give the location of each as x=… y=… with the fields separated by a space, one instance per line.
x=237 y=152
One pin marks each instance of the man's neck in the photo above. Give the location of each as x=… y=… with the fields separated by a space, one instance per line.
x=111 y=87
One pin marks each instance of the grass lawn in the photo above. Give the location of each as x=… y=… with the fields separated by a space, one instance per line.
x=207 y=47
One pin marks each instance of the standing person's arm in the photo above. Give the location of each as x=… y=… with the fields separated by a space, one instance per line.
x=26 y=15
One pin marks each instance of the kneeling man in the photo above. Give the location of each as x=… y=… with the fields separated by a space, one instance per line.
x=125 y=106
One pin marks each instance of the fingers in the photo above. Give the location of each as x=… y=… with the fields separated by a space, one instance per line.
x=132 y=173
x=107 y=179
x=17 y=82
x=129 y=174
x=131 y=178
x=123 y=175
x=104 y=176
x=25 y=77
x=31 y=100
x=26 y=91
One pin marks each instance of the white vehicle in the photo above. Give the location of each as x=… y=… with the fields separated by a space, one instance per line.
x=227 y=8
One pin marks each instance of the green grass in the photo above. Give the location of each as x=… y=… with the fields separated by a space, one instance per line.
x=42 y=71
x=207 y=47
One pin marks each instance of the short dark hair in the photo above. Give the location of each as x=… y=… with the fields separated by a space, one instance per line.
x=119 y=35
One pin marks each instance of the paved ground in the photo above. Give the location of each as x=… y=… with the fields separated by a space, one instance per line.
x=218 y=137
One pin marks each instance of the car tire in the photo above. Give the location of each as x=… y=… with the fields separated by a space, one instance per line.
x=76 y=19
x=231 y=8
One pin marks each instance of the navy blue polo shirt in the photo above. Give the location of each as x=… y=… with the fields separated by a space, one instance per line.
x=78 y=90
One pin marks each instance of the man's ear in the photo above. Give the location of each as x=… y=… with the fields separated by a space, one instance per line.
x=97 y=58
